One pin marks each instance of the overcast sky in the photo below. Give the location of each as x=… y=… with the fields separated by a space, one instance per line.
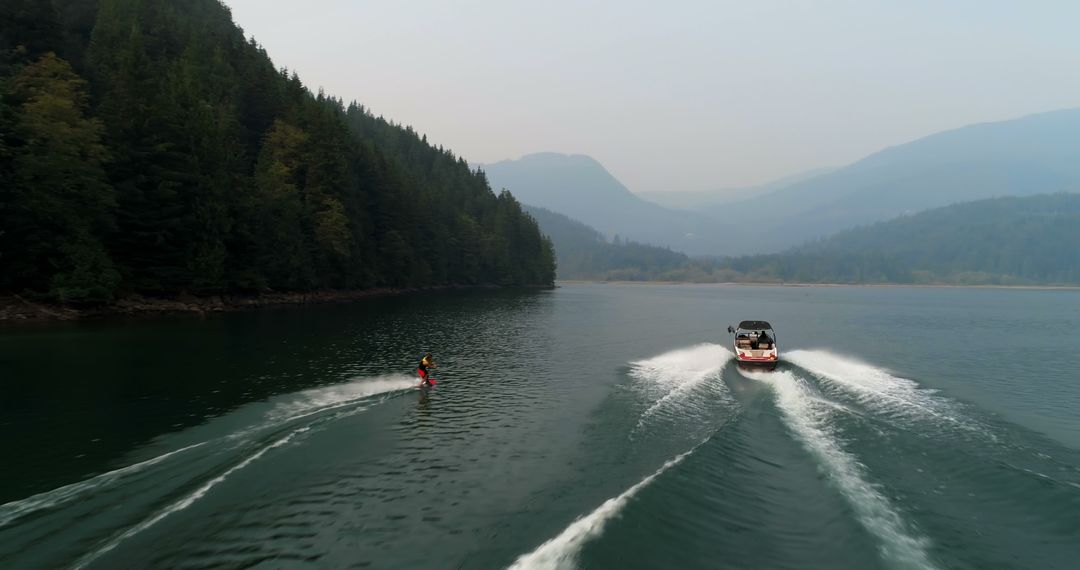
x=680 y=95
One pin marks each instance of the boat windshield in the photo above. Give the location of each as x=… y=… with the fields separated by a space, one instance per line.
x=755 y=339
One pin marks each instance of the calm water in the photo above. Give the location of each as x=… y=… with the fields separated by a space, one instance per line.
x=594 y=426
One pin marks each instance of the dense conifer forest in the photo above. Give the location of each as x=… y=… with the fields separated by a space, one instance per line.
x=148 y=146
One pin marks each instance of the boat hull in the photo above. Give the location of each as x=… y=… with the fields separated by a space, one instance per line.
x=756 y=364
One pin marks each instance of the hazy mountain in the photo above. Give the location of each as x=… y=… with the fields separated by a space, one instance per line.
x=1005 y=241
x=583 y=253
x=1037 y=154
x=710 y=199
x=1030 y=240
x=581 y=188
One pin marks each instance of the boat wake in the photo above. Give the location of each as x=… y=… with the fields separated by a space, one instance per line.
x=320 y=400
x=561 y=552
x=10 y=512
x=921 y=411
x=669 y=377
x=667 y=382
x=314 y=405
x=808 y=418
x=185 y=502
x=889 y=396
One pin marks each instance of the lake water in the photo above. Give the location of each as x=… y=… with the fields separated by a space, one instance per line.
x=592 y=426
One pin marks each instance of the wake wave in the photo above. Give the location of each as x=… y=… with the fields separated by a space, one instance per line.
x=807 y=418
x=306 y=403
x=675 y=373
x=878 y=390
x=10 y=512
x=185 y=502
x=561 y=552
x=324 y=399
x=309 y=403
x=667 y=379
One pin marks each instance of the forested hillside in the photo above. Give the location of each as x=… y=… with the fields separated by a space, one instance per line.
x=583 y=253
x=1028 y=156
x=1003 y=241
x=149 y=147
x=1031 y=239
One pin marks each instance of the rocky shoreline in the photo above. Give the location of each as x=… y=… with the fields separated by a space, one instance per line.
x=14 y=308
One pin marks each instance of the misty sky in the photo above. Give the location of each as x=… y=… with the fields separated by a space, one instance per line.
x=680 y=95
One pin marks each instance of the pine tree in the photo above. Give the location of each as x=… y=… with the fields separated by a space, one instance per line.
x=60 y=204
x=187 y=162
x=282 y=248
x=28 y=30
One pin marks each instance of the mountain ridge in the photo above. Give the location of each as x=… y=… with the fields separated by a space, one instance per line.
x=1033 y=154
x=690 y=199
x=558 y=182
x=1011 y=241
x=1029 y=155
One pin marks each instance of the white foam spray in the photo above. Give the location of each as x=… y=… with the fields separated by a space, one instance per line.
x=807 y=418
x=10 y=512
x=883 y=392
x=184 y=503
x=561 y=552
x=326 y=398
x=675 y=373
x=303 y=404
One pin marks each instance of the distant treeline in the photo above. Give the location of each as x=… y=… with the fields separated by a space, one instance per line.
x=1003 y=241
x=147 y=146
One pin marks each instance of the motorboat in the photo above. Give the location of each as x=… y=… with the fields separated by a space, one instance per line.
x=755 y=345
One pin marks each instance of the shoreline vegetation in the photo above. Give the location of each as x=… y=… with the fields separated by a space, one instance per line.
x=559 y=282
x=16 y=308
x=1005 y=242
x=150 y=147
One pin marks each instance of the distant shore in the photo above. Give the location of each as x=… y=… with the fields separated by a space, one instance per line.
x=15 y=308
x=772 y=284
